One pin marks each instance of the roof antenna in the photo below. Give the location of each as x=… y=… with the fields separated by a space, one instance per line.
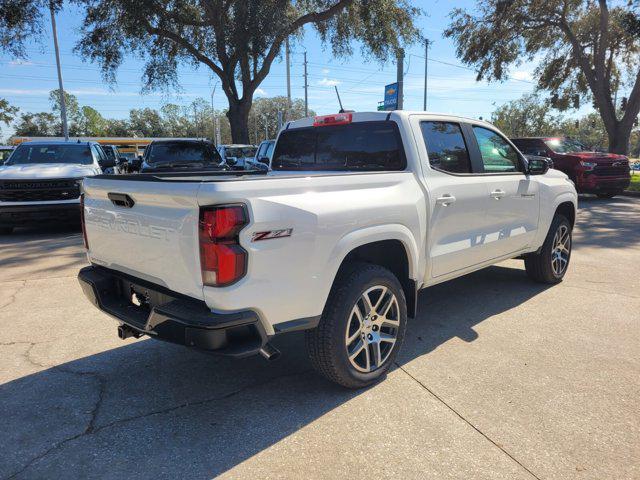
x=339 y=101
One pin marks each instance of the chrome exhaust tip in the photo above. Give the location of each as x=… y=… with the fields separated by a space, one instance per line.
x=269 y=352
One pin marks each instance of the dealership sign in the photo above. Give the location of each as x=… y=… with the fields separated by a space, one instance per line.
x=391 y=97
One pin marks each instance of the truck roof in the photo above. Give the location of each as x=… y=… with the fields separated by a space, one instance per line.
x=386 y=115
x=57 y=142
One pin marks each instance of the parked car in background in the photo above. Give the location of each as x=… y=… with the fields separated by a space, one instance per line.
x=181 y=155
x=359 y=212
x=113 y=153
x=41 y=181
x=237 y=155
x=605 y=174
x=263 y=155
x=5 y=151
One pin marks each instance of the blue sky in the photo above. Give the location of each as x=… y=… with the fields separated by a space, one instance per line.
x=452 y=89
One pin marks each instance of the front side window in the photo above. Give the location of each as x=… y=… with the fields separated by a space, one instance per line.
x=361 y=146
x=498 y=156
x=446 y=147
x=54 y=153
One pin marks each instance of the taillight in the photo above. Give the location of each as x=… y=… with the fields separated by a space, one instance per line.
x=84 y=228
x=222 y=260
x=335 y=119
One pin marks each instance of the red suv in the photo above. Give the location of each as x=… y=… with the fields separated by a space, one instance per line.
x=605 y=174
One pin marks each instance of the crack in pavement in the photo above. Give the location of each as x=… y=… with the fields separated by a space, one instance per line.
x=92 y=429
x=459 y=415
x=12 y=297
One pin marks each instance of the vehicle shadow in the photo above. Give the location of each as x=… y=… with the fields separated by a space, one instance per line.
x=155 y=410
x=21 y=252
x=608 y=223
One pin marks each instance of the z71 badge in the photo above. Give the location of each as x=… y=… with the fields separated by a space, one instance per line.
x=271 y=234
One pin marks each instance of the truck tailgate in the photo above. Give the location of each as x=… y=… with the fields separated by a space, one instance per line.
x=152 y=234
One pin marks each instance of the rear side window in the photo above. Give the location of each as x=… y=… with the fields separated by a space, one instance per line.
x=446 y=147
x=362 y=146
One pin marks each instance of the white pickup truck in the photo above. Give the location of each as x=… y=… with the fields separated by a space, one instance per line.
x=360 y=212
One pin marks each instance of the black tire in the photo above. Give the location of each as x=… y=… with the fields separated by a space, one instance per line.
x=607 y=194
x=327 y=343
x=539 y=265
x=6 y=230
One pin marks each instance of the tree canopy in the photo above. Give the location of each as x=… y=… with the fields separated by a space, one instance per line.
x=586 y=51
x=235 y=41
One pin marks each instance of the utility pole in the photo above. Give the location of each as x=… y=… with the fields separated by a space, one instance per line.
x=426 y=70
x=306 y=87
x=266 y=129
x=63 y=103
x=400 y=77
x=286 y=53
x=213 y=111
x=218 y=137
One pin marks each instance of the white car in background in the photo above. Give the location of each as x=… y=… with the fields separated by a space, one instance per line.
x=40 y=182
x=237 y=156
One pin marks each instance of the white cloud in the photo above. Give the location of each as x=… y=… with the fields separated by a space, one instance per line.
x=261 y=92
x=521 y=75
x=325 y=71
x=19 y=63
x=328 y=82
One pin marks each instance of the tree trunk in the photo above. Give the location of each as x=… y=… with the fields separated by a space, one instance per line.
x=619 y=140
x=238 y=115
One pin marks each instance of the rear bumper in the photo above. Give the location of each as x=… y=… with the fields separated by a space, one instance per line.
x=19 y=215
x=172 y=317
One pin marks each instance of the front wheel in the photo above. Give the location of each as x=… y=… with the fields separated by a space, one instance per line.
x=361 y=329
x=550 y=264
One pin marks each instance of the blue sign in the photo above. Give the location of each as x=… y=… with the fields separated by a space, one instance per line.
x=391 y=97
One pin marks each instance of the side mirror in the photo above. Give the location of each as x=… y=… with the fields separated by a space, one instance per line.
x=537 y=165
x=107 y=163
x=264 y=160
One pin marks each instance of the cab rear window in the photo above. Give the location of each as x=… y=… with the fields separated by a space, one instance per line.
x=361 y=146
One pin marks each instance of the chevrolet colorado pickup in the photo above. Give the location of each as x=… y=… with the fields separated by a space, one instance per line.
x=40 y=182
x=605 y=174
x=359 y=212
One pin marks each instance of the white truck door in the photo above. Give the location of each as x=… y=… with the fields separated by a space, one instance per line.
x=512 y=201
x=456 y=196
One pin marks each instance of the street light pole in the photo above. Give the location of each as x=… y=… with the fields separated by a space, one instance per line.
x=63 y=105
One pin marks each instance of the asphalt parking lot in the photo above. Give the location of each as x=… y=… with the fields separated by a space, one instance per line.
x=499 y=377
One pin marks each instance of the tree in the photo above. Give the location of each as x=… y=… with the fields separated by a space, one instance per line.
x=589 y=50
x=527 y=116
x=42 y=124
x=146 y=122
x=236 y=41
x=7 y=112
x=265 y=111
x=91 y=123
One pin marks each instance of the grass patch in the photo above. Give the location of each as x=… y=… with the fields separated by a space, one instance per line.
x=635 y=182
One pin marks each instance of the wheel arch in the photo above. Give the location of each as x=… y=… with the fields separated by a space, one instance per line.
x=395 y=252
x=568 y=210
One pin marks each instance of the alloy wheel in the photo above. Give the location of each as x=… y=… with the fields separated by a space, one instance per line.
x=561 y=250
x=372 y=329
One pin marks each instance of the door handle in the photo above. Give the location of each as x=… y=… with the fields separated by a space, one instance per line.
x=498 y=194
x=446 y=200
